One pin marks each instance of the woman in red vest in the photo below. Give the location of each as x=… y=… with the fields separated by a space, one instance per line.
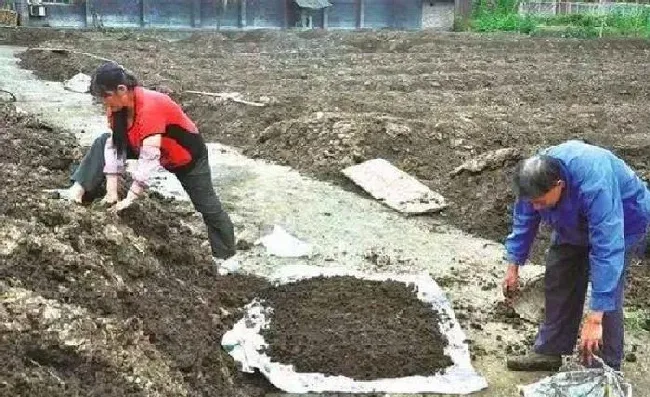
x=151 y=127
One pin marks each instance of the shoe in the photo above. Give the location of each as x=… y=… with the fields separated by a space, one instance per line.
x=63 y=194
x=226 y=266
x=535 y=362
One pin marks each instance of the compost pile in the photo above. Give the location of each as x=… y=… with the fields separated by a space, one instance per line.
x=356 y=328
x=92 y=303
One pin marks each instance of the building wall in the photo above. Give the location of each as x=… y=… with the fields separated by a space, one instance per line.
x=266 y=13
x=213 y=15
x=407 y=14
x=438 y=15
x=344 y=14
x=62 y=15
x=210 y=14
x=125 y=13
x=402 y=14
x=170 y=14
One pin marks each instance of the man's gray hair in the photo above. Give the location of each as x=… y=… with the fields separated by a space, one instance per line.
x=536 y=175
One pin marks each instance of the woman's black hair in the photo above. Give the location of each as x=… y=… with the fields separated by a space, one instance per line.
x=107 y=78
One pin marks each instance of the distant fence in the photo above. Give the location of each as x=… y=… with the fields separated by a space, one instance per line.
x=548 y=8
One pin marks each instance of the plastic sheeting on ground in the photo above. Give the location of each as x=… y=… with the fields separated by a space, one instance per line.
x=394 y=187
x=281 y=243
x=586 y=383
x=245 y=344
x=577 y=381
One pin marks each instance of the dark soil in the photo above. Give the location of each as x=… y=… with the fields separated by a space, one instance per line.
x=144 y=269
x=32 y=368
x=356 y=328
x=424 y=101
x=637 y=293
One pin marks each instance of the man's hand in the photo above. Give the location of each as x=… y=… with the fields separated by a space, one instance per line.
x=511 y=284
x=592 y=336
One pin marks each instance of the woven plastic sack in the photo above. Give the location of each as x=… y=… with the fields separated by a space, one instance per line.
x=601 y=382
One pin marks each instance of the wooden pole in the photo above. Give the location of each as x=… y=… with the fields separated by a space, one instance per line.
x=287 y=17
x=23 y=11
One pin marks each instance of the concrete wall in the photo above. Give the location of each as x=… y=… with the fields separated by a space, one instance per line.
x=169 y=14
x=438 y=15
x=213 y=15
x=401 y=14
x=407 y=14
x=115 y=13
x=252 y=14
x=266 y=13
x=344 y=14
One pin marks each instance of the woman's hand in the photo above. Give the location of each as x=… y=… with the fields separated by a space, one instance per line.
x=112 y=182
x=124 y=204
x=109 y=200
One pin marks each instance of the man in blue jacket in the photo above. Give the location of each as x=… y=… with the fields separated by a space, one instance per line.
x=599 y=210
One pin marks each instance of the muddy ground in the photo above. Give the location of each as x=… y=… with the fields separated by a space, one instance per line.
x=130 y=304
x=425 y=102
x=96 y=304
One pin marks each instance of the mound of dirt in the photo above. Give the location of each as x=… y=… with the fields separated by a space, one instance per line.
x=31 y=37
x=58 y=66
x=99 y=304
x=356 y=328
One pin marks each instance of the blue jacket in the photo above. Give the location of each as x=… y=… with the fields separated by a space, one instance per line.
x=604 y=206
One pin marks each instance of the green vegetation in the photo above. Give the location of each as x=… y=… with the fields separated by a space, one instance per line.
x=637 y=320
x=503 y=16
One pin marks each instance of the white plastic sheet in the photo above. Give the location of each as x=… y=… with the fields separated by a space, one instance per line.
x=585 y=383
x=282 y=244
x=80 y=82
x=245 y=344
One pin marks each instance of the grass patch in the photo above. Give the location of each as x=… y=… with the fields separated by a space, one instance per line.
x=637 y=320
x=503 y=16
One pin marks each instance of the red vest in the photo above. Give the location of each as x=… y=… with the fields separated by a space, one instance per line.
x=157 y=113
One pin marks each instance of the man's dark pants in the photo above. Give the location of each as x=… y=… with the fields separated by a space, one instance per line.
x=566 y=279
